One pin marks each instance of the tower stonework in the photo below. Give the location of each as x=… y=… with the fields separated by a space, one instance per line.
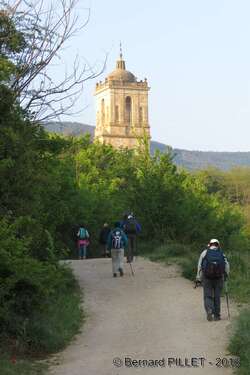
x=122 y=108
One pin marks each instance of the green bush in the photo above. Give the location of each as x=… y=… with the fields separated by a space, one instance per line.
x=239 y=286
x=159 y=254
x=189 y=266
x=52 y=329
x=239 y=242
x=40 y=301
x=146 y=247
x=40 y=241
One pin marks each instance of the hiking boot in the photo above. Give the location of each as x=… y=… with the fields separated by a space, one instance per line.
x=114 y=275
x=217 y=318
x=210 y=316
x=121 y=272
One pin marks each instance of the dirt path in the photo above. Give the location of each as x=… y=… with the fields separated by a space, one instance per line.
x=157 y=314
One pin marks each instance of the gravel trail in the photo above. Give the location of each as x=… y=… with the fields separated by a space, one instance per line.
x=156 y=315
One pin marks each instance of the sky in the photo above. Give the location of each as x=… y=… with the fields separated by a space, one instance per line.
x=195 y=55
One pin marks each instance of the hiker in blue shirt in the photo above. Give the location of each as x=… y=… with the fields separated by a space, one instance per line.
x=117 y=241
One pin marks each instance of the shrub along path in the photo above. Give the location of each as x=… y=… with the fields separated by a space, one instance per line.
x=157 y=314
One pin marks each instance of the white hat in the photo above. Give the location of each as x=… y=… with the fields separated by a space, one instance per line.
x=213 y=240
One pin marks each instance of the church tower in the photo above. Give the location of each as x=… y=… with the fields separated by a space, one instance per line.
x=121 y=108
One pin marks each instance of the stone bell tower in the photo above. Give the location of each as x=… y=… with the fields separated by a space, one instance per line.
x=121 y=108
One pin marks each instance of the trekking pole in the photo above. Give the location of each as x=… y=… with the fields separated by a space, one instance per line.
x=197 y=284
x=227 y=299
x=132 y=271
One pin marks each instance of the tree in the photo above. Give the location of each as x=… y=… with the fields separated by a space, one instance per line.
x=40 y=32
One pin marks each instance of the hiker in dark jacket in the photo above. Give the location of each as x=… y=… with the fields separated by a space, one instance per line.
x=103 y=240
x=132 y=228
x=117 y=241
x=213 y=268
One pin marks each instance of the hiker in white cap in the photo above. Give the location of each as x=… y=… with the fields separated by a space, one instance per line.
x=132 y=228
x=213 y=268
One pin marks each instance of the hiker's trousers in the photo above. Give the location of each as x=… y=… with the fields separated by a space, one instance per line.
x=82 y=251
x=105 y=251
x=131 y=250
x=212 y=294
x=117 y=259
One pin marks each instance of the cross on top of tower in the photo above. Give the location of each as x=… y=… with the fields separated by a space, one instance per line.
x=121 y=50
x=120 y=64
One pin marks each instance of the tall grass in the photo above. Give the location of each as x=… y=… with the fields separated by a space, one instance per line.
x=240 y=342
x=164 y=252
x=13 y=366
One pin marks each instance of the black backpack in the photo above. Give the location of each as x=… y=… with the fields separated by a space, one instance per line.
x=213 y=264
x=131 y=226
x=117 y=239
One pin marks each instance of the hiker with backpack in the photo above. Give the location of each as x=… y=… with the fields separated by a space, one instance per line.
x=213 y=269
x=82 y=241
x=117 y=241
x=132 y=228
x=103 y=240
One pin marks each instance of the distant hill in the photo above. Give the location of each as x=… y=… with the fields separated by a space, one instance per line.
x=191 y=160
x=69 y=128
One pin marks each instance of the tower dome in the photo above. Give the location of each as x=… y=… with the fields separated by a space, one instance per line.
x=120 y=73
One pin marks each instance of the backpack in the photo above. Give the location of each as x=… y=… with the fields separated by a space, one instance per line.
x=82 y=234
x=130 y=226
x=117 y=239
x=213 y=264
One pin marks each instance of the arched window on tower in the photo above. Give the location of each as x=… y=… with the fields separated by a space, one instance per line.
x=140 y=115
x=107 y=113
x=128 y=110
x=103 y=111
x=116 y=113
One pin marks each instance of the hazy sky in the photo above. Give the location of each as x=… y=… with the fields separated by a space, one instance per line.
x=196 y=56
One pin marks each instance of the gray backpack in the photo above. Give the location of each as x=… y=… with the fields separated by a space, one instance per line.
x=117 y=239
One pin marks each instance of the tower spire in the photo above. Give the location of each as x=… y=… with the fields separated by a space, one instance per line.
x=120 y=50
x=120 y=64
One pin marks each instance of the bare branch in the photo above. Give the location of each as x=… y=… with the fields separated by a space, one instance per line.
x=46 y=31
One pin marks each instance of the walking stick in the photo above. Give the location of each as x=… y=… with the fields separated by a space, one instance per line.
x=227 y=299
x=197 y=284
x=132 y=271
